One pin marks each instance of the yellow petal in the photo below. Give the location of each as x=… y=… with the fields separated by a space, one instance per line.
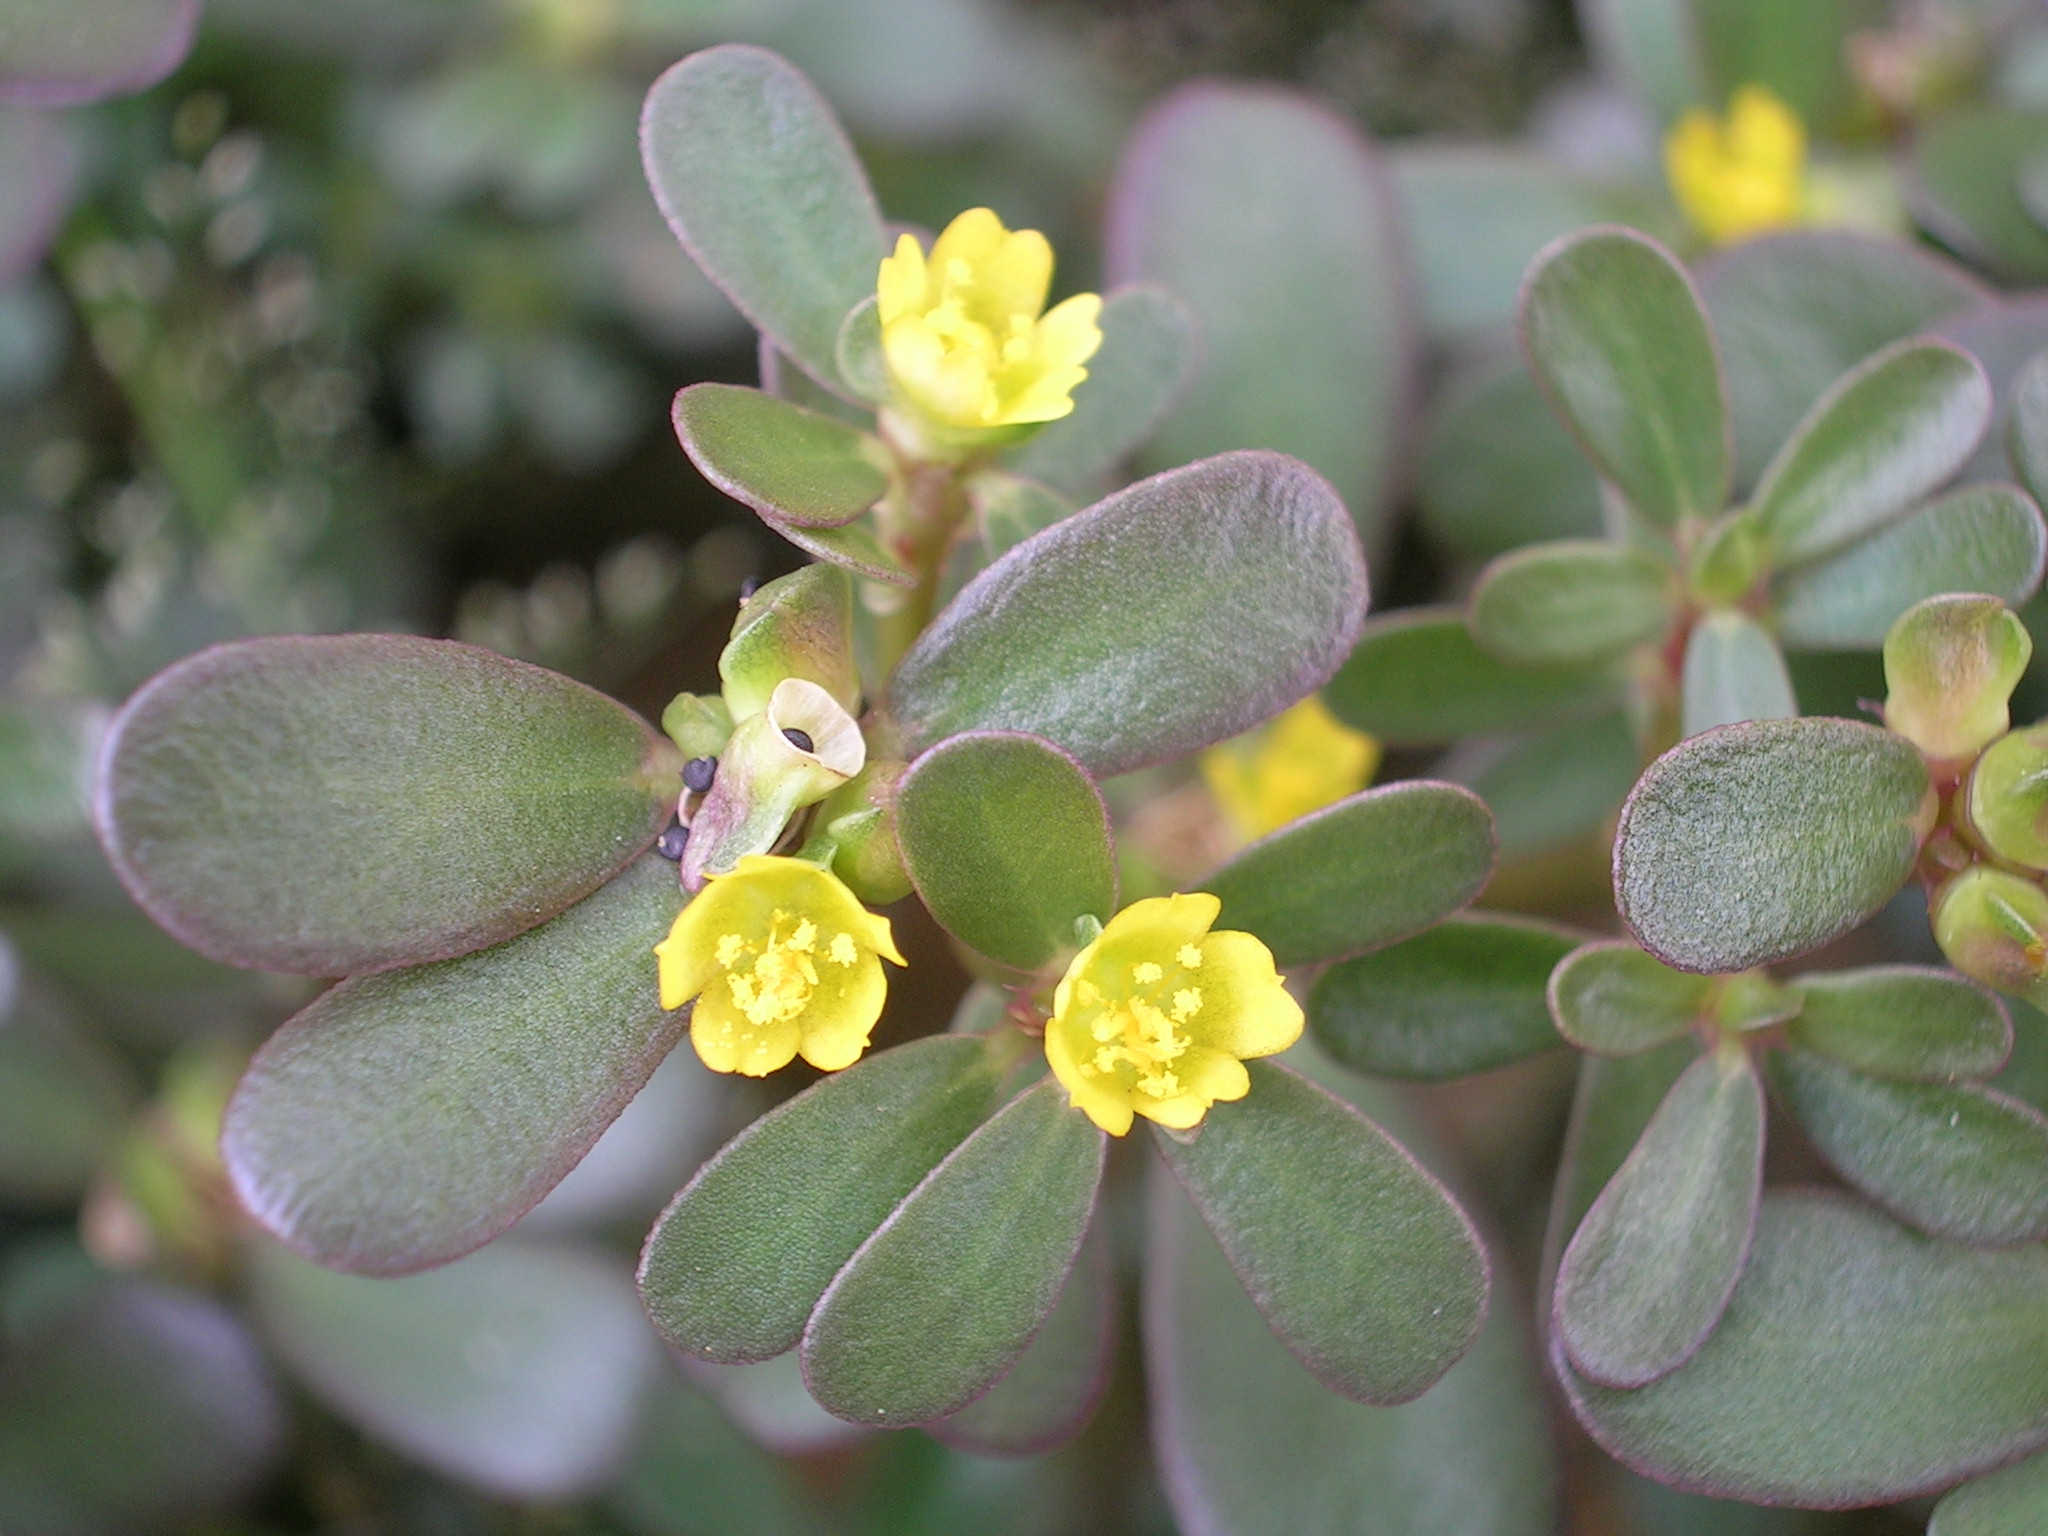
x=727 y=1041
x=1110 y=1110
x=1014 y=277
x=836 y=1027
x=902 y=288
x=1246 y=1010
x=1069 y=333
x=972 y=237
x=1168 y=921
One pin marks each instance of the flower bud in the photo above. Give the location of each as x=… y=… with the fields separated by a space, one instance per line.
x=1952 y=663
x=1991 y=924
x=860 y=819
x=799 y=625
x=2007 y=800
x=699 y=723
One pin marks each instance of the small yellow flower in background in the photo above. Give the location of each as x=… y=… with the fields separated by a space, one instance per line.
x=1300 y=761
x=1742 y=174
x=1158 y=1016
x=783 y=960
x=967 y=343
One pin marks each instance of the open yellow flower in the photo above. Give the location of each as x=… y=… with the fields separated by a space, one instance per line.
x=1158 y=1016
x=782 y=960
x=964 y=335
x=1300 y=761
x=1742 y=174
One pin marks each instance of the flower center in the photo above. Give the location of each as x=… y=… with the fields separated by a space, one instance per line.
x=1139 y=1035
x=783 y=973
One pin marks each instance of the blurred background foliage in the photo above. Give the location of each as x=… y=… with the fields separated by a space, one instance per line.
x=364 y=319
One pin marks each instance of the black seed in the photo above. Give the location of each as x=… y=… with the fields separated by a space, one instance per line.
x=671 y=843
x=698 y=773
x=801 y=740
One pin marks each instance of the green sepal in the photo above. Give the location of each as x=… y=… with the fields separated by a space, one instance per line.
x=1993 y=926
x=698 y=723
x=2007 y=798
x=799 y=625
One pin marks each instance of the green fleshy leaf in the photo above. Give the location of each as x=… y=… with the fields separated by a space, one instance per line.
x=1363 y=1264
x=1373 y=868
x=520 y=1370
x=336 y=804
x=1498 y=471
x=1610 y=998
x=1271 y=217
x=1251 y=1443
x=1617 y=339
x=1941 y=1349
x=403 y=1119
x=1553 y=788
x=941 y=1301
x=1196 y=603
x=852 y=547
x=789 y=464
x=138 y=1406
x=1649 y=1271
x=2012 y=1501
x=2027 y=431
x=1734 y=672
x=1056 y=1383
x=1980 y=538
x=1955 y=1160
x=1758 y=842
x=1910 y=1022
x=87 y=50
x=1886 y=433
x=1793 y=311
x=737 y=1262
x=1007 y=841
x=1477 y=214
x=757 y=179
x=1466 y=996
x=786 y=381
x=1571 y=603
x=1148 y=349
x=1418 y=678
x=1967 y=162
x=1003 y=511
x=2003 y=333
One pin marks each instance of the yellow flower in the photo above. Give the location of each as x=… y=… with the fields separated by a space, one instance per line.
x=782 y=960
x=1742 y=174
x=966 y=344
x=1300 y=761
x=1158 y=1016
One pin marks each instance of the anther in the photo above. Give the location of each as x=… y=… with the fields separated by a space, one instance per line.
x=698 y=774
x=670 y=844
x=801 y=740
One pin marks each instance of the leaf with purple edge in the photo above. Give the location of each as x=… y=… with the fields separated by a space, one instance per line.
x=793 y=466
x=79 y=51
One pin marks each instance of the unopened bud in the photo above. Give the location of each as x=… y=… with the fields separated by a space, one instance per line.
x=1952 y=663
x=860 y=818
x=1993 y=926
x=799 y=625
x=2008 y=798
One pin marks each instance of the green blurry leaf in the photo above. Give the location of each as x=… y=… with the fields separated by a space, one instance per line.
x=1553 y=788
x=139 y=1407
x=1980 y=538
x=1056 y=1383
x=64 y=1098
x=1007 y=841
x=1003 y=510
x=736 y=1264
x=345 y=803
x=1793 y=311
x=1466 y=996
x=1418 y=678
x=1270 y=216
x=2027 y=431
x=1885 y=434
x=1911 y=1022
x=1942 y=1350
x=1251 y=1443
x=2004 y=334
x=86 y=50
x=1148 y=349
x=1363 y=1264
x=1647 y=1274
x=941 y=1301
x=1195 y=604
x=1373 y=868
x=2012 y=1501
x=1651 y=46
x=1610 y=998
x=858 y=351
x=1758 y=842
x=1967 y=163
x=1734 y=671
x=757 y=179
x=520 y=1369
x=1798 y=52
x=1617 y=339
x=1497 y=469
x=1571 y=603
x=1477 y=214
x=403 y=1119
x=789 y=464
x=692 y=1473
x=1957 y=1161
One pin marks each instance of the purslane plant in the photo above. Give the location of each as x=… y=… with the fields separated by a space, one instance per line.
x=533 y=894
